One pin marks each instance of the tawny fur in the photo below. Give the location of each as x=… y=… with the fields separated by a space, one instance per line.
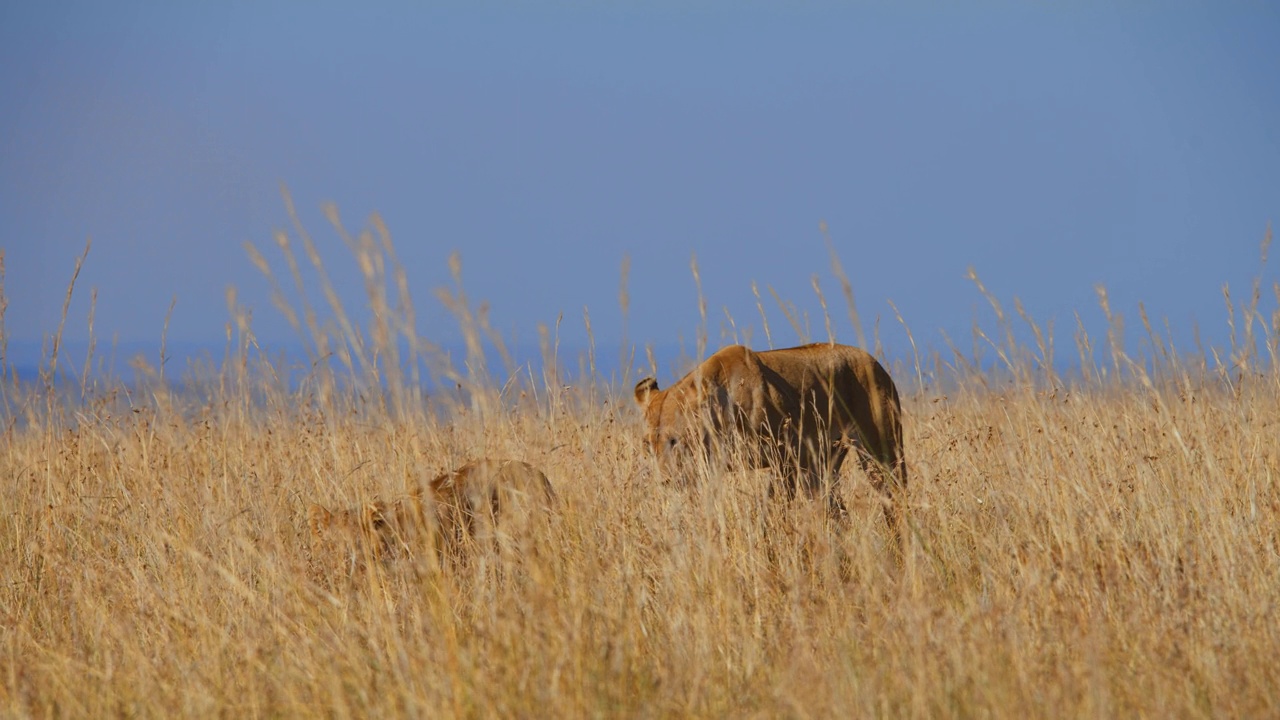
x=444 y=512
x=799 y=410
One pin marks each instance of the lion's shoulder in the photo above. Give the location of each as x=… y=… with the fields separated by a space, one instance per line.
x=729 y=359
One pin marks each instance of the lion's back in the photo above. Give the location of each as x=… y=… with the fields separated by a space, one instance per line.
x=844 y=370
x=819 y=359
x=484 y=481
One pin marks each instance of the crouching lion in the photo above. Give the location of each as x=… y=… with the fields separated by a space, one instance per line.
x=453 y=509
x=798 y=410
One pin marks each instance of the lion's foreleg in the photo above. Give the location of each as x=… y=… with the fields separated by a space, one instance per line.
x=889 y=482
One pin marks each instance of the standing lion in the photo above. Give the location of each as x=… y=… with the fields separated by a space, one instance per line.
x=798 y=410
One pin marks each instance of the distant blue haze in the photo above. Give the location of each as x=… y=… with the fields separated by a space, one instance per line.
x=1053 y=147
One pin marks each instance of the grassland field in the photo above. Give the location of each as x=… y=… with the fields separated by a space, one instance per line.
x=1101 y=546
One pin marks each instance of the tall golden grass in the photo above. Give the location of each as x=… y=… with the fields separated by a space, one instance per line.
x=1103 y=545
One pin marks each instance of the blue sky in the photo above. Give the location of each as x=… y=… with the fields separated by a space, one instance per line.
x=1052 y=146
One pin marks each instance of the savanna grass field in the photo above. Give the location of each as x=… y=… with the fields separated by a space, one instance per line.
x=1103 y=542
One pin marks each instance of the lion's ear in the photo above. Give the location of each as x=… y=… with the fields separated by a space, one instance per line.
x=318 y=518
x=644 y=389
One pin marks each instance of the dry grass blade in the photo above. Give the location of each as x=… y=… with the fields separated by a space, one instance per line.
x=1102 y=545
x=50 y=374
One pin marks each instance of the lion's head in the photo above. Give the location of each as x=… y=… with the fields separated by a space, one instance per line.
x=682 y=423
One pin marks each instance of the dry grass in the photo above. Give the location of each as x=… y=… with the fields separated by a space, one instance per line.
x=1099 y=548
